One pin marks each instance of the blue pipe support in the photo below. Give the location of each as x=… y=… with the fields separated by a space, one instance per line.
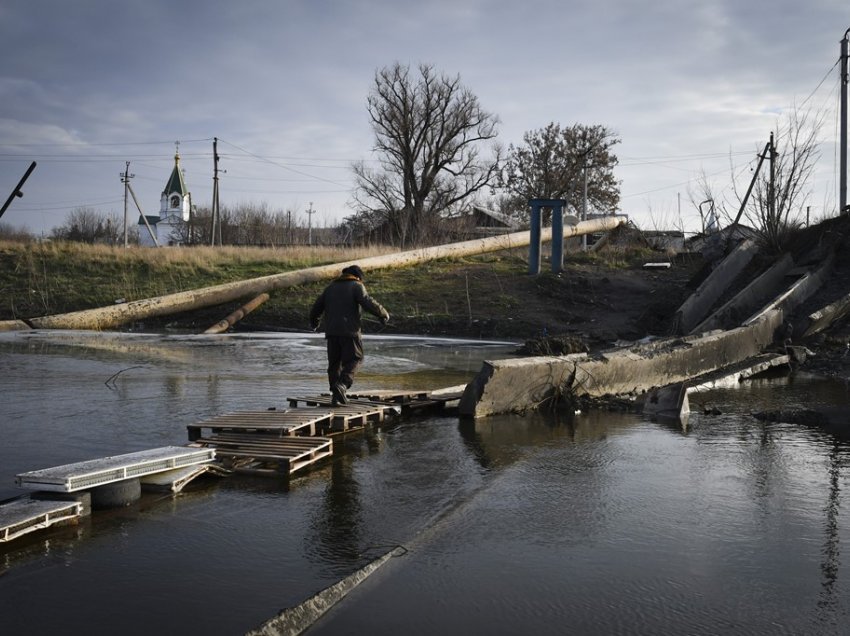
x=534 y=246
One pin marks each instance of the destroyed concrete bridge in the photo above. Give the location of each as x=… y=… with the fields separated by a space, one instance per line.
x=737 y=313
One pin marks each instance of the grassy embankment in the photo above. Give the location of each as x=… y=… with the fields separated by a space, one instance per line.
x=487 y=296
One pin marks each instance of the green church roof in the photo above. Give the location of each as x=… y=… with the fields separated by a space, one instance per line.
x=175 y=181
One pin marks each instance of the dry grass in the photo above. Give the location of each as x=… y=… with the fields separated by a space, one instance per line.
x=199 y=257
x=58 y=276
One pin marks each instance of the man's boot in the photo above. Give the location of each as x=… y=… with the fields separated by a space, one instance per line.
x=338 y=395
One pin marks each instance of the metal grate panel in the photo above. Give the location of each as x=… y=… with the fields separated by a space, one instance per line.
x=97 y=472
x=22 y=516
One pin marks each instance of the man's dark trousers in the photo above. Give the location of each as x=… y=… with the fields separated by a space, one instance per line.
x=345 y=353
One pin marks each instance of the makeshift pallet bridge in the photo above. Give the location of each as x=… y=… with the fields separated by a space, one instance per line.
x=271 y=442
x=284 y=441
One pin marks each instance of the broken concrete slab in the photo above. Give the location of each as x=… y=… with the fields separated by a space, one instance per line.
x=823 y=318
x=799 y=291
x=668 y=403
x=672 y=403
x=749 y=299
x=698 y=304
x=504 y=386
x=735 y=374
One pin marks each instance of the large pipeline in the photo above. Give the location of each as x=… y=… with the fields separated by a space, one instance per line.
x=116 y=315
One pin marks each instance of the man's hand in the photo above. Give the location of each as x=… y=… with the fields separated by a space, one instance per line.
x=314 y=326
x=385 y=320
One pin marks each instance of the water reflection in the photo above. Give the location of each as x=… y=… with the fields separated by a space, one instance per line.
x=828 y=603
x=56 y=547
x=335 y=531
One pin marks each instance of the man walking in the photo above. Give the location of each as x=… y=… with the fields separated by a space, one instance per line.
x=340 y=304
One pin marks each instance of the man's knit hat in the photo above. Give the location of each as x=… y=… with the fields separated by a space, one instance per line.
x=354 y=270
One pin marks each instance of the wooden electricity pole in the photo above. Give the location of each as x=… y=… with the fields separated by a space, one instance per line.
x=216 y=213
x=842 y=189
x=17 y=192
x=310 y=213
x=125 y=179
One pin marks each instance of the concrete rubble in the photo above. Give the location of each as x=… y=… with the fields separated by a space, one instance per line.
x=660 y=374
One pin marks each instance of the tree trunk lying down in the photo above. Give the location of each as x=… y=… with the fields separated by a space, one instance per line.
x=116 y=315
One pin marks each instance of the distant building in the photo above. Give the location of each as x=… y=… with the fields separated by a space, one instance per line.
x=175 y=206
x=470 y=222
x=665 y=240
x=486 y=221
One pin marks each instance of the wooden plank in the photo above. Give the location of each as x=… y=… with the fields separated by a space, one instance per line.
x=354 y=407
x=327 y=401
x=294 y=442
x=299 y=421
x=389 y=400
x=225 y=446
x=288 y=462
x=391 y=396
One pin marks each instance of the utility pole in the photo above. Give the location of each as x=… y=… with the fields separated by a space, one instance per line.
x=767 y=150
x=584 y=203
x=842 y=188
x=125 y=179
x=216 y=215
x=679 y=212
x=289 y=226
x=310 y=213
x=17 y=192
x=771 y=194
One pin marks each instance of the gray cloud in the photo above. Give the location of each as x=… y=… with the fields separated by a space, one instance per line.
x=286 y=82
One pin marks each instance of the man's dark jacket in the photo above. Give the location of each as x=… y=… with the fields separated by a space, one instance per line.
x=340 y=303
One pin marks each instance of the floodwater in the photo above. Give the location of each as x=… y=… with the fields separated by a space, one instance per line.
x=597 y=523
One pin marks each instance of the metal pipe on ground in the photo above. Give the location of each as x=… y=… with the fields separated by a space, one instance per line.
x=116 y=315
x=223 y=325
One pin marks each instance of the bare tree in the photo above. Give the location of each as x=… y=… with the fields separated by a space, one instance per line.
x=248 y=224
x=773 y=207
x=777 y=204
x=10 y=232
x=429 y=131
x=87 y=225
x=553 y=162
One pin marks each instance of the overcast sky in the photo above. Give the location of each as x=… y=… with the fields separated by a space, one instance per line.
x=689 y=86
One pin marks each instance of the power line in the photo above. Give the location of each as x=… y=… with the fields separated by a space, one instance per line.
x=831 y=68
x=684 y=183
x=58 y=206
x=91 y=159
x=86 y=144
x=704 y=155
x=280 y=165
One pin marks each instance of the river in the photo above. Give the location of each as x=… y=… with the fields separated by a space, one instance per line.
x=589 y=523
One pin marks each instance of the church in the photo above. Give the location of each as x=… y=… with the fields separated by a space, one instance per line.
x=170 y=227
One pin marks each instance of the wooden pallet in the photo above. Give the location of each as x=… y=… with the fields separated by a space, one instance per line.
x=287 y=422
x=389 y=396
x=262 y=453
x=345 y=417
x=413 y=400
